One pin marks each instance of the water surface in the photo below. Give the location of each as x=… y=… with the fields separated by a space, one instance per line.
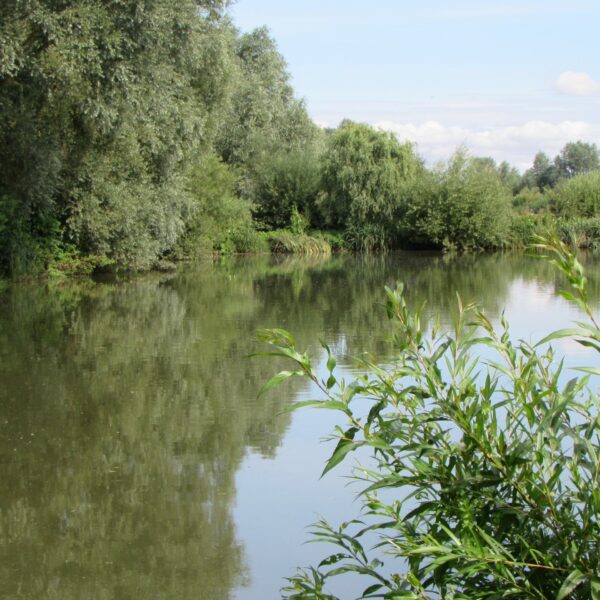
x=135 y=458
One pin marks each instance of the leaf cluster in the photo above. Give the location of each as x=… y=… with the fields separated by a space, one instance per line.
x=483 y=462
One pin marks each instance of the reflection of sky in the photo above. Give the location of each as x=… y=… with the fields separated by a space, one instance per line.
x=279 y=499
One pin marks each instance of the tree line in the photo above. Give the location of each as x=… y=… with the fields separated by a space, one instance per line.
x=138 y=131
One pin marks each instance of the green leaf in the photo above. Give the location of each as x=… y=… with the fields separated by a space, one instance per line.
x=334 y=558
x=562 y=333
x=371 y=590
x=440 y=350
x=591 y=370
x=574 y=579
x=345 y=445
x=277 y=379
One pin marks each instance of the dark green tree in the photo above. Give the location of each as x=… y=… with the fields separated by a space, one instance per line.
x=576 y=158
x=542 y=174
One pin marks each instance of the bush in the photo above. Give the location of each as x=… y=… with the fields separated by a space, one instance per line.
x=218 y=219
x=28 y=241
x=464 y=206
x=285 y=189
x=579 y=196
x=580 y=232
x=485 y=480
x=531 y=199
x=287 y=242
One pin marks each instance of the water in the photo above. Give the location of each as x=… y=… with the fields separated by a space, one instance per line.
x=135 y=458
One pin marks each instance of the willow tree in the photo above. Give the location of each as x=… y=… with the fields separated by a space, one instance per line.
x=102 y=105
x=263 y=115
x=366 y=174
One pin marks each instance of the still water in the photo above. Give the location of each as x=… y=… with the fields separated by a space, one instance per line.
x=136 y=461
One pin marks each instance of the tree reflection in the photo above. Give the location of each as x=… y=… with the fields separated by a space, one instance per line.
x=126 y=409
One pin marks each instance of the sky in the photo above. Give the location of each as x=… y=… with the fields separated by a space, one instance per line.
x=505 y=78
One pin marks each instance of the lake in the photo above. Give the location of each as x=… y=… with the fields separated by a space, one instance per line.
x=137 y=461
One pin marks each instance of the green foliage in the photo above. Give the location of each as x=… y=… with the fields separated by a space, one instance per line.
x=218 y=219
x=509 y=176
x=69 y=263
x=464 y=206
x=102 y=105
x=285 y=190
x=288 y=242
x=577 y=196
x=262 y=116
x=531 y=200
x=28 y=241
x=577 y=158
x=482 y=479
x=526 y=226
x=580 y=232
x=543 y=173
x=365 y=177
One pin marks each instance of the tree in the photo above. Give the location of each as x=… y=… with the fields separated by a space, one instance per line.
x=263 y=116
x=576 y=158
x=542 y=174
x=509 y=176
x=366 y=174
x=577 y=196
x=218 y=219
x=102 y=106
x=285 y=185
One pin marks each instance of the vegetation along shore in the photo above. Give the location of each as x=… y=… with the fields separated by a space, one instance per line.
x=133 y=135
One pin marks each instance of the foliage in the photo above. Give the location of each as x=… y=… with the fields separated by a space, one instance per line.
x=523 y=229
x=577 y=158
x=578 y=196
x=285 y=188
x=102 y=104
x=287 y=242
x=365 y=177
x=509 y=176
x=262 y=116
x=580 y=232
x=542 y=174
x=531 y=200
x=482 y=481
x=218 y=218
x=464 y=206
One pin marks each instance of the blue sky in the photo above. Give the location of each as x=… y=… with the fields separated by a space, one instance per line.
x=505 y=78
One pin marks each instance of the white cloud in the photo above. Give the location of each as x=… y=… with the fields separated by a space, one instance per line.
x=577 y=84
x=321 y=123
x=516 y=143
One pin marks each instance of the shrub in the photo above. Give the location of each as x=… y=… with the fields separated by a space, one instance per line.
x=285 y=189
x=580 y=232
x=286 y=242
x=578 y=196
x=484 y=481
x=531 y=199
x=218 y=219
x=464 y=206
